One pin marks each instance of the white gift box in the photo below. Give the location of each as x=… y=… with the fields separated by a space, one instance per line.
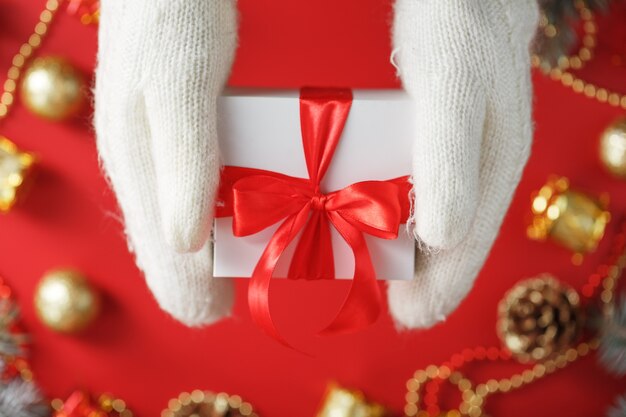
x=261 y=129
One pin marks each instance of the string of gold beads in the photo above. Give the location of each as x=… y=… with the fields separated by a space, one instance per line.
x=585 y=52
x=561 y=72
x=205 y=403
x=580 y=86
x=25 y=52
x=474 y=398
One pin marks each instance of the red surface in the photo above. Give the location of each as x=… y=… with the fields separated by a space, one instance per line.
x=140 y=354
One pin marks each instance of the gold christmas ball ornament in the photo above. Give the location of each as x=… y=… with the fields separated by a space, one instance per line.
x=65 y=301
x=207 y=404
x=613 y=148
x=568 y=217
x=341 y=402
x=539 y=317
x=53 y=88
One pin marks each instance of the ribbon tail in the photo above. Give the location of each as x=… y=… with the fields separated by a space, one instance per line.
x=361 y=306
x=258 y=292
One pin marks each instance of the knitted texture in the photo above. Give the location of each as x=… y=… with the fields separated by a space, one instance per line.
x=161 y=66
x=467 y=65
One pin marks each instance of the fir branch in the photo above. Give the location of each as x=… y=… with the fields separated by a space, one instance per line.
x=619 y=409
x=10 y=341
x=19 y=398
x=613 y=339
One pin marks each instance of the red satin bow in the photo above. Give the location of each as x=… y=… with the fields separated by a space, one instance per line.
x=257 y=199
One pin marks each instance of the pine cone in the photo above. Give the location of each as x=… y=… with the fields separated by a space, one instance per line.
x=539 y=317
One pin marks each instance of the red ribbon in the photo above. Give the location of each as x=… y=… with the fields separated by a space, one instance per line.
x=257 y=199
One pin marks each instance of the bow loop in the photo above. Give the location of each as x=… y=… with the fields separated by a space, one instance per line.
x=262 y=200
x=370 y=206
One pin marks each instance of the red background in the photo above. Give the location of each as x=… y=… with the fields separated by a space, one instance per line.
x=138 y=353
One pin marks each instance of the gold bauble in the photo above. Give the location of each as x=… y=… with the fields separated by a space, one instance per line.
x=613 y=148
x=207 y=404
x=65 y=301
x=53 y=89
x=539 y=317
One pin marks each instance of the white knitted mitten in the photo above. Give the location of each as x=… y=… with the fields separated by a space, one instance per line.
x=161 y=66
x=467 y=65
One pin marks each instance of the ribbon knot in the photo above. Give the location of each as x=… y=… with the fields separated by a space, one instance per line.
x=258 y=199
x=318 y=202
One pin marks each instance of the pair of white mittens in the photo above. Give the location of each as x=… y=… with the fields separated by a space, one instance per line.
x=163 y=63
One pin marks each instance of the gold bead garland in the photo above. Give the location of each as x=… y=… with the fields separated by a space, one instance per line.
x=207 y=404
x=26 y=51
x=590 y=90
x=474 y=398
x=562 y=72
x=584 y=54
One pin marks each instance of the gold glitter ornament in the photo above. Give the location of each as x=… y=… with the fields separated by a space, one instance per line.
x=53 y=88
x=65 y=301
x=341 y=402
x=568 y=217
x=538 y=318
x=207 y=404
x=613 y=148
x=15 y=169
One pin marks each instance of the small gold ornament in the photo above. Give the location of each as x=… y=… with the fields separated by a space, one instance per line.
x=15 y=170
x=568 y=217
x=88 y=10
x=52 y=88
x=539 y=317
x=65 y=301
x=613 y=148
x=341 y=402
x=207 y=404
x=81 y=404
